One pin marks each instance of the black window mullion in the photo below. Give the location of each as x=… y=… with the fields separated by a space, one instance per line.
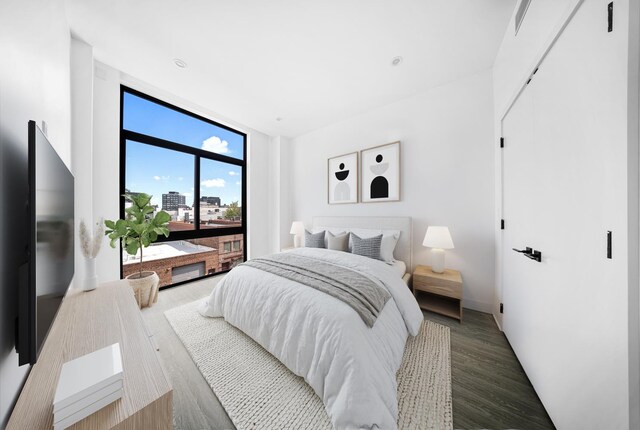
x=168 y=144
x=245 y=245
x=137 y=93
x=198 y=154
x=196 y=193
x=205 y=232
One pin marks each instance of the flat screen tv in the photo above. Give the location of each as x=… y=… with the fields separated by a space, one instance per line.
x=48 y=272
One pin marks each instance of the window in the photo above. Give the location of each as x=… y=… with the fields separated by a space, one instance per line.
x=195 y=170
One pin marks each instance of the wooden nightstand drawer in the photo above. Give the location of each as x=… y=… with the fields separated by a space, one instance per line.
x=438 y=292
x=442 y=289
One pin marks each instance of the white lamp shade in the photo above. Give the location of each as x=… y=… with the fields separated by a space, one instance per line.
x=297 y=227
x=438 y=237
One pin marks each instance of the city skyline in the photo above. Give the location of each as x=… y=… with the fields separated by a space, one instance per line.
x=156 y=171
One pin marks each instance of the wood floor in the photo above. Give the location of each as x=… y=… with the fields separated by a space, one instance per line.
x=490 y=389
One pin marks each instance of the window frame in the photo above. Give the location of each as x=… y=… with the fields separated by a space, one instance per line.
x=198 y=155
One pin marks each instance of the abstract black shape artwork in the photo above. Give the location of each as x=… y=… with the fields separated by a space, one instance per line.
x=343 y=179
x=381 y=173
x=379 y=185
x=342 y=190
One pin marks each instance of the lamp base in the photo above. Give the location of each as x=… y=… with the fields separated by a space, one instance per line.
x=297 y=241
x=437 y=260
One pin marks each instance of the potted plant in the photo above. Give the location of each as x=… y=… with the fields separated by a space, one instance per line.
x=137 y=231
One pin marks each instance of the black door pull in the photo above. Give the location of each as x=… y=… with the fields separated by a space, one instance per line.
x=525 y=251
x=530 y=253
x=536 y=255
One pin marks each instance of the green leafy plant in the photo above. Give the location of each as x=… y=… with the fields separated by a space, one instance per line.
x=139 y=229
x=233 y=211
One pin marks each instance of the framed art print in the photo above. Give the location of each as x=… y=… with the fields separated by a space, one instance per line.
x=343 y=179
x=381 y=173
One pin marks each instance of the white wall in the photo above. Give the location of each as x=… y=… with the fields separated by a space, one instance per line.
x=106 y=164
x=82 y=142
x=518 y=52
x=634 y=213
x=279 y=162
x=260 y=195
x=447 y=173
x=34 y=85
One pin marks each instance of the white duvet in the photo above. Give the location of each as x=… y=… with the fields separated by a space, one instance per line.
x=350 y=366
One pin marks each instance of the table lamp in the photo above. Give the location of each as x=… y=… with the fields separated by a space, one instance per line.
x=438 y=239
x=297 y=228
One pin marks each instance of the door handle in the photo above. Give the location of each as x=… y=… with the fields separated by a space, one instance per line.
x=536 y=255
x=527 y=251
x=530 y=253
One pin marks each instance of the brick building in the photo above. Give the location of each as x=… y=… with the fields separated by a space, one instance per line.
x=183 y=260
x=175 y=261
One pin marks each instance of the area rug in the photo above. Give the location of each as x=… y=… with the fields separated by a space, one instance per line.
x=259 y=392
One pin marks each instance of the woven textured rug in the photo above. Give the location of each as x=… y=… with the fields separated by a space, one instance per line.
x=259 y=392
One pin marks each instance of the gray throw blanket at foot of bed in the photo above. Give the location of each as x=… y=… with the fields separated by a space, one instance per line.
x=357 y=290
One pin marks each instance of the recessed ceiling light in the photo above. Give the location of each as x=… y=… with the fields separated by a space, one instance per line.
x=395 y=61
x=180 y=63
x=278 y=119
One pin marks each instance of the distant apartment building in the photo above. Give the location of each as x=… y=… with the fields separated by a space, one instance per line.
x=173 y=200
x=215 y=201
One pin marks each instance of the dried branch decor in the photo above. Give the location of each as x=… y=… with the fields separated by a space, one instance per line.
x=90 y=243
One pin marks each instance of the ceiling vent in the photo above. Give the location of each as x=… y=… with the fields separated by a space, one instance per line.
x=522 y=10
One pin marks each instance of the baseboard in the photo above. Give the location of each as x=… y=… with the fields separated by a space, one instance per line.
x=487 y=308
x=497 y=322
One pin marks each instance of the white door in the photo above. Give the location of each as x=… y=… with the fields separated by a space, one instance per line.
x=564 y=186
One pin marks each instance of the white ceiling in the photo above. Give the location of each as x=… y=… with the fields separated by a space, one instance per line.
x=310 y=63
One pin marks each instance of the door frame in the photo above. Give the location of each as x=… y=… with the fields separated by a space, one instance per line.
x=499 y=203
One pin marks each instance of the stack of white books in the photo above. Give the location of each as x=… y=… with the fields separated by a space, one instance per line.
x=86 y=385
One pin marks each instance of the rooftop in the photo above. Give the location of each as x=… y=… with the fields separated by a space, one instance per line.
x=166 y=250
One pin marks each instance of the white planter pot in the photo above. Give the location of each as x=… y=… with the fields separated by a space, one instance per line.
x=91 y=279
x=145 y=288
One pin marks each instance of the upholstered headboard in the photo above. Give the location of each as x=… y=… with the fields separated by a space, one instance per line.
x=404 y=224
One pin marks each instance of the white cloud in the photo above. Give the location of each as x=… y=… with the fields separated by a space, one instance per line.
x=215 y=144
x=214 y=183
x=157 y=178
x=180 y=178
x=187 y=194
x=238 y=183
x=234 y=173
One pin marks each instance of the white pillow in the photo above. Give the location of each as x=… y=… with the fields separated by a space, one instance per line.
x=388 y=246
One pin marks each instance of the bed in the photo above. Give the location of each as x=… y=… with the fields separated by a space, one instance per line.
x=403 y=252
x=348 y=360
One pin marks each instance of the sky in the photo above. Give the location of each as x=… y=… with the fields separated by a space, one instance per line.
x=156 y=171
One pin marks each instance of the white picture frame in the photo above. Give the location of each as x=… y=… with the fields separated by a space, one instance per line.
x=342 y=179
x=380 y=173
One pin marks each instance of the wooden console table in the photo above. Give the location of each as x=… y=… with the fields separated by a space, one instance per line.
x=87 y=321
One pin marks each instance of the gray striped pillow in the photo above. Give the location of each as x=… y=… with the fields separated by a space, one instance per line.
x=369 y=247
x=313 y=240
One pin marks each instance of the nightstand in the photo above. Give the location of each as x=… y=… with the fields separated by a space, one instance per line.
x=439 y=292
